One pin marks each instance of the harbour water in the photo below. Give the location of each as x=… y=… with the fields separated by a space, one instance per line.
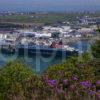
x=39 y=63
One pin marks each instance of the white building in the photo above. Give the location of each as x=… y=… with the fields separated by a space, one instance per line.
x=85 y=30
x=3 y=36
x=46 y=35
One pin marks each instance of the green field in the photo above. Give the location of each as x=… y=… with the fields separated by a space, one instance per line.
x=42 y=17
x=34 y=18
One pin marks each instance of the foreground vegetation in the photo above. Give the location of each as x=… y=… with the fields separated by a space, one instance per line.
x=76 y=79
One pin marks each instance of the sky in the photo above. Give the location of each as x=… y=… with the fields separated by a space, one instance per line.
x=49 y=5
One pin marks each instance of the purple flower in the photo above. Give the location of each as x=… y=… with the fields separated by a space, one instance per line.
x=99 y=91
x=98 y=94
x=92 y=92
x=75 y=78
x=59 y=91
x=52 y=82
x=65 y=82
x=98 y=82
x=86 y=84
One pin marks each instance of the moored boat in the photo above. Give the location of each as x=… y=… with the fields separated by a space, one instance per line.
x=57 y=50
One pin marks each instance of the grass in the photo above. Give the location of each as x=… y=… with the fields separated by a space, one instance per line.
x=42 y=17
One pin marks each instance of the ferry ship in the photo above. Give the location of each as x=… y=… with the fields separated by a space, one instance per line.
x=33 y=49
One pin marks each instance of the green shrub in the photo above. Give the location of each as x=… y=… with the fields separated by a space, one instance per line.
x=11 y=77
x=96 y=49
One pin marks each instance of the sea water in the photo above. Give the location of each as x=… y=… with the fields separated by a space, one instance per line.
x=39 y=63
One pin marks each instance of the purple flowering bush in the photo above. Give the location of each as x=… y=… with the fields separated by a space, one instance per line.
x=72 y=80
x=63 y=82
